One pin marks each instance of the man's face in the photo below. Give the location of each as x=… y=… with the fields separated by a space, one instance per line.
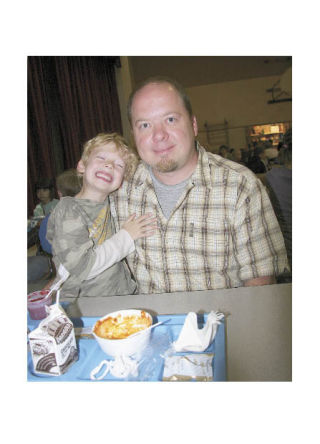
x=223 y=152
x=163 y=130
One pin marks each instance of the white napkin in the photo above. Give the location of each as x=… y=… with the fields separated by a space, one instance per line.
x=192 y=338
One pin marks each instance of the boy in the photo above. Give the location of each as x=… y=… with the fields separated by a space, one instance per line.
x=45 y=194
x=68 y=184
x=81 y=226
x=40 y=266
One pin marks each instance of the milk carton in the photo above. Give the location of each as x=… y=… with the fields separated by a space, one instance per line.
x=53 y=344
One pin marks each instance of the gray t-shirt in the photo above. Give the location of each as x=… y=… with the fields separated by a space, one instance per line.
x=75 y=228
x=168 y=195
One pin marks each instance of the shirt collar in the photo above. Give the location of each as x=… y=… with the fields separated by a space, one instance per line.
x=201 y=176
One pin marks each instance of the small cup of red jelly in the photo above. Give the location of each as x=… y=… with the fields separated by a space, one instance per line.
x=37 y=302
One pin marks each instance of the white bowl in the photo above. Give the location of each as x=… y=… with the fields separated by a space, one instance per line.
x=128 y=346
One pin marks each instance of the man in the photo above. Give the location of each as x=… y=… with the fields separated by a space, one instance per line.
x=259 y=163
x=217 y=228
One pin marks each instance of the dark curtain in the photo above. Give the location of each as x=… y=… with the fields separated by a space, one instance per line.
x=40 y=153
x=70 y=100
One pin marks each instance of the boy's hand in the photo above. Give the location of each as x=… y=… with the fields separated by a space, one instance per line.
x=142 y=226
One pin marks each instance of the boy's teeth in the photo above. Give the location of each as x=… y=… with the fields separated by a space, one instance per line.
x=104 y=176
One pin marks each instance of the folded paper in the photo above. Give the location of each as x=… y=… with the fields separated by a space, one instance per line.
x=192 y=338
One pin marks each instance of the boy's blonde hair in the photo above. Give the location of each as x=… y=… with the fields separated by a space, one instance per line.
x=128 y=156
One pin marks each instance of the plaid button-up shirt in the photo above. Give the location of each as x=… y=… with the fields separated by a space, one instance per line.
x=222 y=232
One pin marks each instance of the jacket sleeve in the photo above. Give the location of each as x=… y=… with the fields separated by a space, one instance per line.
x=72 y=246
x=111 y=251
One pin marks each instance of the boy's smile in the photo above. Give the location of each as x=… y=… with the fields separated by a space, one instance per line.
x=102 y=173
x=104 y=176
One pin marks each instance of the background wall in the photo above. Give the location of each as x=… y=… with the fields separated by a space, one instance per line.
x=240 y=103
x=124 y=88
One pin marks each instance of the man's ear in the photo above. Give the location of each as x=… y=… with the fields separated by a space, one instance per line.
x=194 y=125
x=81 y=167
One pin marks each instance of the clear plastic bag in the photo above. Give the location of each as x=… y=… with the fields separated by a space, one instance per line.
x=151 y=362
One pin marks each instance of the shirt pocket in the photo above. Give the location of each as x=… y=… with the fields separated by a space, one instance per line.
x=211 y=241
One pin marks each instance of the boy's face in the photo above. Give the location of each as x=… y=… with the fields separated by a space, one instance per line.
x=44 y=195
x=103 y=172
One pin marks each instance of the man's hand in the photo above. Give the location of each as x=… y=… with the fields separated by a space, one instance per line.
x=263 y=280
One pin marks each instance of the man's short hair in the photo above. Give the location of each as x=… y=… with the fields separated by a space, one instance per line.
x=158 y=80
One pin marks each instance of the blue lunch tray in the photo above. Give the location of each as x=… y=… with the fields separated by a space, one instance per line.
x=152 y=362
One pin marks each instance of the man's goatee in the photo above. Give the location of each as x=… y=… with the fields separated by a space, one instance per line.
x=166 y=165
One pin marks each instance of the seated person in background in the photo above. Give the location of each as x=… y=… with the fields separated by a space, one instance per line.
x=68 y=184
x=217 y=228
x=235 y=155
x=259 y=162
x=279 y=186
x=79 y=227
x=223 y=151
x=45 y=193
x=245 y=155
x=230 y=154
x=40 y=266
x=279 y=146
x=272 y=156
